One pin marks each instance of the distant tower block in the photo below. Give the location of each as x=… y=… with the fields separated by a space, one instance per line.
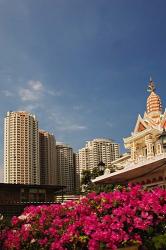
x=48 y=160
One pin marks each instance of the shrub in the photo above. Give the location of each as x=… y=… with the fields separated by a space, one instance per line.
x=103 y=221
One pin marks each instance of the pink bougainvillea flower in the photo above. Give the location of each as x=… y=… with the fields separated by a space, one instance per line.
x=103 y=221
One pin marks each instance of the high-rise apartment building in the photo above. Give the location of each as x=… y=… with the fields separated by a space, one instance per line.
x=77 y=172
x=100 y=149
x=21 y=148
x=84 y=158
x=65 y=166
x=48 y=161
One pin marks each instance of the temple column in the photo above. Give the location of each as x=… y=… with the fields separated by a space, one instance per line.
x=159 y=148
x=149 y=146
x=133 y=152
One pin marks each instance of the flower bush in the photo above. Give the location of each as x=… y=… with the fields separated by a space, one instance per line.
x=103 y=221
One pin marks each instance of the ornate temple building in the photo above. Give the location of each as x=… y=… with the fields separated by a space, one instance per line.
x=146 y=162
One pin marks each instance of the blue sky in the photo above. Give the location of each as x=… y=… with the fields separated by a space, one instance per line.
x=82 y=66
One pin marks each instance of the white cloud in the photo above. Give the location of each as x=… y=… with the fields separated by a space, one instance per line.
x=54 y=93
x=7 y=93
x=72 y=127
x=33 y=92
x=109 y=124
x=28 y=95
x=65 y=123
x=36 y=85
x=29 y=107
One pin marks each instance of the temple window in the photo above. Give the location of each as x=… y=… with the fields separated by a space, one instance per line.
x=145 y=151
x=153 y=150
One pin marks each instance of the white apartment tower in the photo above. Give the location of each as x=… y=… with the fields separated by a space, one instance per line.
x=65 y=166
x=48 y=161
x=77 y=172
x=21 y=148
x=100 y=149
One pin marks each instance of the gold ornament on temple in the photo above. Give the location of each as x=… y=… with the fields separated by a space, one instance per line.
x=151 y=87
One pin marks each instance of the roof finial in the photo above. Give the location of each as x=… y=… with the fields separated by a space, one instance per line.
x=151 y=86
x=150 y=79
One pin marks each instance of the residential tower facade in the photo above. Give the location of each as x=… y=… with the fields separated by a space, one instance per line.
x=21 y=148
x=97 y=150
x=65 y=165
x=48 y=159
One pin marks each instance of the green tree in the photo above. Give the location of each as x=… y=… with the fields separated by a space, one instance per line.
x=95 y=172
x=86 y=182
x=86 y=177
x=89 y=186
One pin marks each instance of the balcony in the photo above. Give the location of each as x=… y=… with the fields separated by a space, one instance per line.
x=142 y=160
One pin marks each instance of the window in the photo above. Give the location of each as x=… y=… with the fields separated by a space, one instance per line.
x=33 y=195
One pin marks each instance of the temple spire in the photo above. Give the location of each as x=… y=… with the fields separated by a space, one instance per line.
x=154 y=105
x=151 y=86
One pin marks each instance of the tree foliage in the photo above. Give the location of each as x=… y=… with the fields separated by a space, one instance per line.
x=89 y=186
x=86 y=177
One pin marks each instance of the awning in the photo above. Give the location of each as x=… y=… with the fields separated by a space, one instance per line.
x=133 y=171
